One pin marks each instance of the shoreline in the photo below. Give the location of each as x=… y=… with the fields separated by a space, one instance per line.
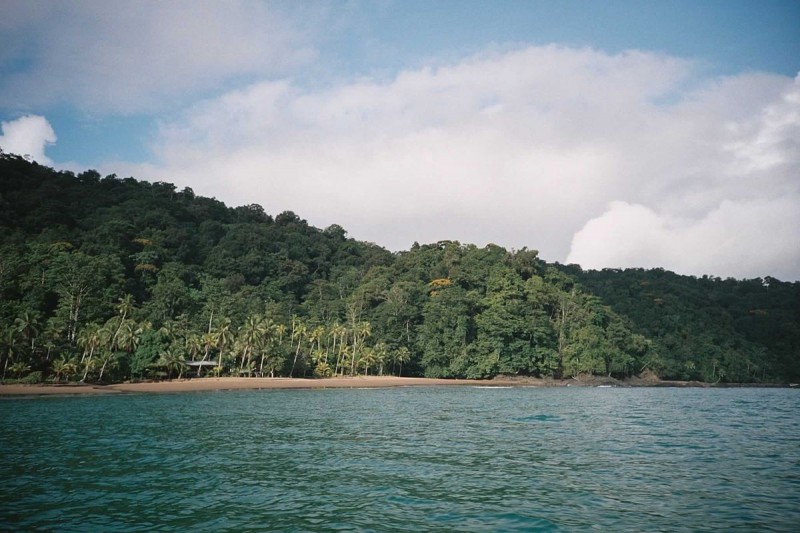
x=358 y=382
x=237 y=383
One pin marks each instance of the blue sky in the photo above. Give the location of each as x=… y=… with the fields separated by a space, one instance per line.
x=619 y=133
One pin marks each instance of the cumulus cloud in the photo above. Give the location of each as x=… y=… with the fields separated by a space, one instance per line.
x=27 y=136
x=735 y=214
x=521 y=147
x=743 y=239
x=125 y=57
x=508 y=146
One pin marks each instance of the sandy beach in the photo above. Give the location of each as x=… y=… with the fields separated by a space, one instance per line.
x=209 y=384
x=230 y=383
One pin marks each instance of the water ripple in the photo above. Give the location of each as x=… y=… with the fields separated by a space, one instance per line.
x=434 y=459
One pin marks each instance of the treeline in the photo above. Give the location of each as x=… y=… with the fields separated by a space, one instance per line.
x=706 y=328
x=107 y=279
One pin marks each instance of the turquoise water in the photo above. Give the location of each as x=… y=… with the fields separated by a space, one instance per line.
x=410 y=459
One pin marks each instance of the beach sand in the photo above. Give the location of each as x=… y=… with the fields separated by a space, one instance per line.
x=209 y=384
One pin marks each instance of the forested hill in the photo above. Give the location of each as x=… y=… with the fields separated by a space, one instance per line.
x=740 y=327
x=106 y=279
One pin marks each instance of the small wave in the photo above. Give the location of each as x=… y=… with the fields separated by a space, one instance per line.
x=539 y=418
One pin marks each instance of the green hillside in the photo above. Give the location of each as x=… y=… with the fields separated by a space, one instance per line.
x=109 y=279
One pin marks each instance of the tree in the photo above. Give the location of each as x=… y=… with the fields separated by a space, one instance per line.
x=564 y=310
x=338 y=332
x=380 y=353
x=63 y=367
x=248 y=338
x=503 y=328
x=224 y=338
x=367 y=359
x=91 y=340
x=11 y=345
x=28 y=325
x=360 y=332
x=401 y=355
x=19 y=368
x=299 y=331
x=447 y=329
x=108 y=360
x=172 y=362
x=76 y=278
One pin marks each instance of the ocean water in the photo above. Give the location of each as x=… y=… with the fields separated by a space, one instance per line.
x=405 y=459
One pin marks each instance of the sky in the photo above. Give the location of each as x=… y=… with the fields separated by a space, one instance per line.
x=610 y=134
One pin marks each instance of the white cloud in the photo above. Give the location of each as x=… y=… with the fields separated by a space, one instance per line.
x=737 y=213
x=125 y=57
x=518 y=147
x=739 y=239
x=28 y=136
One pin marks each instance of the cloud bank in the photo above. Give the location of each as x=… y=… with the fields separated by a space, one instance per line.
x=28 y=136
x=115 y=56
x=588 y=157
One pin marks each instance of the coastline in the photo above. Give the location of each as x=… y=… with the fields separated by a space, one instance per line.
x=236 y=383
x=241 y=383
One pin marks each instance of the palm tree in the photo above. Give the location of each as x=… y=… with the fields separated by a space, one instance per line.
x=106 y=347
x=339 y=331
x=299 y=330
x=108 y=360
x=172 y=362
x=249 y=336
x=280 y=330
x=249 y=368
x=380 y=351
x=10 y=342
x=193 y=345
x=90 y=339
x=19 y=368
x=271 y=346
x=360 y=333
x=63 y=367
x=322 y=369
x=128 y=336
x=346 y=351
x=52 y=333
x=367 y=359
x=316 y=335
x=124 y=307
x=402 y=355
x=28 y=325
x=266 y=339
x=209 y=340
x=169 y=331
x=58 y=368
x=224 y=337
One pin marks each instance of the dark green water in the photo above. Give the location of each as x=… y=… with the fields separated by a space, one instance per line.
x=412 y=459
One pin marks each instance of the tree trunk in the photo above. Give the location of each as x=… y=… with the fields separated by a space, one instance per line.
x=353 y=360
x=219 y=363
x=88 y=362
x=103 y=369
x=296 y=354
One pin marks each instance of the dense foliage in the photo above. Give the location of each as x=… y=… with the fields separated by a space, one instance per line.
x=708 y=328
x=105 y=279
